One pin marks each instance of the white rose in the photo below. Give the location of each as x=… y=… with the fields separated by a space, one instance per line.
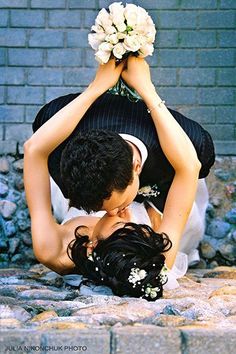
x=150 y=34
x=94 y=41
x=145 y=50
x=131 y=14
x=102 y=56
x=121 y=35
x=131 y=43
x=112 y=38
x=103 y=18
x=109 y=29
x=118 y=50
x=105 y=46
x=117 y=13
x=97 y=29
x=121 y=26
x=142 y=17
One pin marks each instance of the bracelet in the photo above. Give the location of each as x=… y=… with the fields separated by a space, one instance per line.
x=157 y=105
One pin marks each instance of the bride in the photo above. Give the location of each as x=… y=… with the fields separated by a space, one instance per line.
x=120 y=251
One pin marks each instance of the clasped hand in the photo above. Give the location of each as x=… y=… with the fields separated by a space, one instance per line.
x=134 y=71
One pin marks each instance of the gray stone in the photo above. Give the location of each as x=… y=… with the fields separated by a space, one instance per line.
x=4 y=165
x=47 y=294
x=89 y=341
x=214 y=341
x=20 y=341
x=222 y=175
x=18 y=165
x=230 y=216
x=10 y=228
x=3 y=189
x=9 y=311
x=3 y=245
x=218 y=228
x=13 y=245
x=207 y=250
x=7 y=209
x=14 y=196
x=26 y=238
x=19 y=183
x=146 y=339
x=228 y=250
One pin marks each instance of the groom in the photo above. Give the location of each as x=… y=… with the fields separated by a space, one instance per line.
x=113 y=151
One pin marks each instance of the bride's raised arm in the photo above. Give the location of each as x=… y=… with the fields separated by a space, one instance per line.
x=47 y=235
x=178 y=149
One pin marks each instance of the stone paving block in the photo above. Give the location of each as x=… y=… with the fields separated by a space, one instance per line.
x=227 y=38
x=197 y=39
x=145 y=339
x=227 y=77
x=223 y=148
x=11 y=76
x=160 y=4
x=25 y=95
x=66 y=57
x=61 y=18
x=82 y=4
x=46 y=38
x=177 y=57
x=197 y=77
x=210 y=341
x=17 y=132
x=216 y=96
x=11 y=114
x=177 y=19
x=19 y=341
x=2 y=56
x=164 y=76
x=227 y=4
x=217 y=57
x=25 y=57
x=29 y=18
x=90 y=340
x=221 y=132
x=199 y=4
x=12 y=37
x=179 y=95
x=168 y=39
x=53 y=92
x=30 y=113
x=4 y=18
x=78 y=38
x=45 y=76
x=81 y=76
x=226 y=114
x=89 y=18
x=47 y=4
x=217 y=19
x=201 y=115
x=13 y=3
x=2 y=94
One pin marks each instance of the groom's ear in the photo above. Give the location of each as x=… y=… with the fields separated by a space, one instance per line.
x=136 y=166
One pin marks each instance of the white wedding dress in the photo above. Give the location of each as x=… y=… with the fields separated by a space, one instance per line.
x=188 y=253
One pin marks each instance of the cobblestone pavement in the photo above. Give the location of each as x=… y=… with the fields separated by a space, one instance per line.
x=40 y=313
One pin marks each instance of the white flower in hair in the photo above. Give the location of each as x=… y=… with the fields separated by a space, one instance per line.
x=136 y=275
x=129 y=26
x=149 y=191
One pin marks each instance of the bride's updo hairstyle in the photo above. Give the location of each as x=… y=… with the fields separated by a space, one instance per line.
x=131 y=261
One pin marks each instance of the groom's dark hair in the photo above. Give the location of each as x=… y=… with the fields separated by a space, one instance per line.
x=93 y=165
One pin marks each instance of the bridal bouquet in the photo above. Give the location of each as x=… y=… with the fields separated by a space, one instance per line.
x=122 y=31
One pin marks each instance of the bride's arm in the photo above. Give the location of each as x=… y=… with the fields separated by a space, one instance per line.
x=178 y=149
x=47 y=235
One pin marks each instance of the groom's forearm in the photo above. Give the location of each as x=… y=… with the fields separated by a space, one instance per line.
x=61 y=125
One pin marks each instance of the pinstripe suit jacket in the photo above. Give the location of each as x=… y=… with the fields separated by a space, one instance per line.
x=118 y=114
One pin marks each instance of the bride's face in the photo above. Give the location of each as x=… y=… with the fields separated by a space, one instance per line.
x=101 y=228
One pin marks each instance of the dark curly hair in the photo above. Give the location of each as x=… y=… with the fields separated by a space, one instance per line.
x=132 y=246
x=93 y=165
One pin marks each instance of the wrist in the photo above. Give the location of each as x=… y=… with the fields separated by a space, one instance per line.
x=94 y=90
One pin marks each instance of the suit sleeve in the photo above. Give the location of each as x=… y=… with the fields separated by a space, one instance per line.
x=201 y=140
